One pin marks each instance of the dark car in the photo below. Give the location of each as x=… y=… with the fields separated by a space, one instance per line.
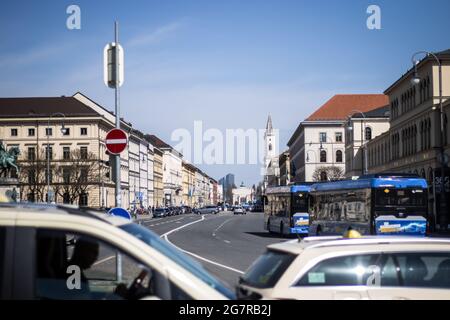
x=160 y=213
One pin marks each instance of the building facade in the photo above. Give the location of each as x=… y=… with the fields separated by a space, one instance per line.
x=413 y=142
x=359 y=130
x=317 y=147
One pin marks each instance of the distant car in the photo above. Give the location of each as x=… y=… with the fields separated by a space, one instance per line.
x=160 y=213
x=208 y=210
x=239 y=210
x=336 y=268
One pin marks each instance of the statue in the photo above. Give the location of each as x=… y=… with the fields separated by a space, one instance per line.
x=8 y=159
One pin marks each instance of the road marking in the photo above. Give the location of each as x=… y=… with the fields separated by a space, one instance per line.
x=217 y=229
x=226 y=241
x=165 y=236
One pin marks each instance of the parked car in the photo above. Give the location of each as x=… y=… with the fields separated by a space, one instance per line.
x=42 y=243
x=160 y=213
x=208 y=210
x=330 y=268
x=239 y=210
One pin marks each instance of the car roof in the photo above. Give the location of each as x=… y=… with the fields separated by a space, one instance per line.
x=57 y=209
x=296 y=247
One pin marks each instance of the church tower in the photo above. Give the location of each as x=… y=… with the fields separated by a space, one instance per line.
x=270 y=151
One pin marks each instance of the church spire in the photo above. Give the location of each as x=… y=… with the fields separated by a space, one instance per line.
x=269 y=124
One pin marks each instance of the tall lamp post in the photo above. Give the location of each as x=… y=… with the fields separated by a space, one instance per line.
x=63 y=131
x=415 y=81
x=363 y=139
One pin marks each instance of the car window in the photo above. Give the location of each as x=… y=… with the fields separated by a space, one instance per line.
x=73 y=266
x=353 y=270
x=178 y=257
x=424 y=269
x=267 y=269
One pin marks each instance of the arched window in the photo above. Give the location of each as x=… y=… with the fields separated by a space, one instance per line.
x=323 y=156
x=323 y=176
x=339 y=156
x=270 y=147
x=368 y=133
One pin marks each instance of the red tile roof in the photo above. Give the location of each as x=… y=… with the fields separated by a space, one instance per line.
x=341 y=106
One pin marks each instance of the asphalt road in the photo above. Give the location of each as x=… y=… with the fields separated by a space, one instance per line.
x=225 y=244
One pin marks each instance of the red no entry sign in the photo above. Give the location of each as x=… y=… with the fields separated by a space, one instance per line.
x=116 y=141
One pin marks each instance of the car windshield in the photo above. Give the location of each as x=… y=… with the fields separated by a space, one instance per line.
x=178 y=257
x=267 y=269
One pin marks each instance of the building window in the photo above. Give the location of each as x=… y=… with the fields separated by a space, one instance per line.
x=66 y=153
x=31 y=132
x=339 y=156
x=83 y=202
x=323 y=156
x=31 y=154
x=84 y=153
x=48 y=131
x=83 y=131
x=66 y=176
x=31 y=176
x=66 y=198
x=270 y=147
x=66 y=132
x=338 y=136
x=368 y=133
x=48 y=153
x=323 y=176
x=322 y=137
x=13 y=132
x=84 y=175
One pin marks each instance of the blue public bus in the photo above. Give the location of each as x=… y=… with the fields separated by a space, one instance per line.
x=390 y=204
x=286 y=209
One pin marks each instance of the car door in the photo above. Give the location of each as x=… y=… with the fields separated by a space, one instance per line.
x=337 y=278
x=72 y=265
x=418 y=275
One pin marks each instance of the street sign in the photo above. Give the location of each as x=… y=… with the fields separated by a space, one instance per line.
x=110 y=62
x=116 y=141
x=120 y=212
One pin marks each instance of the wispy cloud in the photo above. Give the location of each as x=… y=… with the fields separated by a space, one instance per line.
x=34 y=55
x=156 y=36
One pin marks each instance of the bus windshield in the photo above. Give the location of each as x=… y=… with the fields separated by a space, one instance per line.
x=400 y=197
x=299 y=202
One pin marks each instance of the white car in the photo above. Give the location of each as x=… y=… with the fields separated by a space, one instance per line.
x=239 y=210
x=329 y=268
x=55 y=252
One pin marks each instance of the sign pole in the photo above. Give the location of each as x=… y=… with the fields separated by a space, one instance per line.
x=117 y=162
x=117 y=105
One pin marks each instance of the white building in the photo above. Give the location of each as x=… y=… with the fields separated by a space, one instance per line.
x=317 y=147
x=271 y=169
x=359 y=130
x=242 y=195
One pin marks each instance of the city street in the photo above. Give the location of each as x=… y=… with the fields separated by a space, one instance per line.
x=225 y=244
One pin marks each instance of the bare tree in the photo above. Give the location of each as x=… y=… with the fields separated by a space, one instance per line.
x=76 y=175
x=33 y=174
x=332 y=173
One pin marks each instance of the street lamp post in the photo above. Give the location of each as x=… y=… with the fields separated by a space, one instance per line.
x=63 y=131
x=363 y=139
x=415 y=81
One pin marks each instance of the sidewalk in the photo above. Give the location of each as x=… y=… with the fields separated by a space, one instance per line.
x=143 y=217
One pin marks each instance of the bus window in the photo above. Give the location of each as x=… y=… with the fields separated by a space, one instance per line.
x=400 y=197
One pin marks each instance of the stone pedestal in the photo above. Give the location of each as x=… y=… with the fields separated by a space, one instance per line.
x=10 y=189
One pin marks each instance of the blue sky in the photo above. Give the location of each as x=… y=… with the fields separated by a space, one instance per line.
x=227 y=63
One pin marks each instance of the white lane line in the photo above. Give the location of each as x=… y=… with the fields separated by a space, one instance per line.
x=165 y=236
x=227 y=241
x=104 y=260
x=221 y=225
